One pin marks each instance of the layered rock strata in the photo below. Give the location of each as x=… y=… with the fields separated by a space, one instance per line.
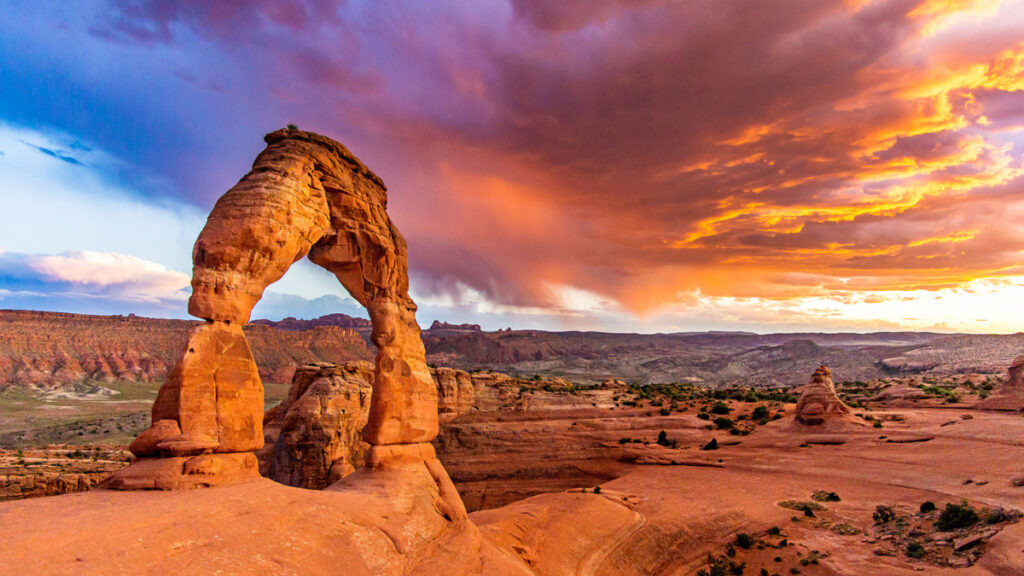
x=305 y=195
x=819 y=402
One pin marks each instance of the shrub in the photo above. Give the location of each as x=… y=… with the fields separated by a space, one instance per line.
x=956 y=516
x=877 y=424
x=759 y=413
x=915 y=550
x=999 y=515
x=743 y=540
x=883 y=514
x=597 y=489
x=293 y=127
x=665 y=411
x=927 y=507
x=823 y=496
x=802 y=506
x=720 y=408
x=723 y=423
x=663 y=439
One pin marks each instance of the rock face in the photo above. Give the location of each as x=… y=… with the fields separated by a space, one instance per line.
x=314 y=437
x=819 y=402
x=1009 y=396
x=305 y=195
x=455 y=393
x=54 y=350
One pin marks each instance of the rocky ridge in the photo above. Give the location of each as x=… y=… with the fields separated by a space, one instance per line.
x=47 y=350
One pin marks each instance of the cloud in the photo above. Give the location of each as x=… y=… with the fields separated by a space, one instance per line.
x=93 y=281
x=59 y=155
x=646 y=153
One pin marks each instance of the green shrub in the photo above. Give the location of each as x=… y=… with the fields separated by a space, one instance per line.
x=293 y=127
x=801 y=505
x=703 y=416
x=956 y=516
x=720 y=408
x=743 y=540
x=915 y=550
x=927 y=507
x=724 y=423
x=759 y=413
x=823 y=496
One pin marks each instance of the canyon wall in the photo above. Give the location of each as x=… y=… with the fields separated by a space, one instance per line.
x=53 y=349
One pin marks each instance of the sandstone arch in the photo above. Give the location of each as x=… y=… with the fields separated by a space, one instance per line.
x=305 y=195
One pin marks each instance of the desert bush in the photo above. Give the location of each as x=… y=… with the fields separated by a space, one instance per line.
x=759 y=413
x=883 y=514
x=703 y=416
x=956 y=516
x=743 y=540
x=823 y=496
x=720 y=408
x=915 y=550
x=927 y=507
x=801 y=505
x=724 y=423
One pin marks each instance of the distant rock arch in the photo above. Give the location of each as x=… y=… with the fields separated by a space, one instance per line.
x=306 y=195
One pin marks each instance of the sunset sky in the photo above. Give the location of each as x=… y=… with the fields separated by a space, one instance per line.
x=618 y=165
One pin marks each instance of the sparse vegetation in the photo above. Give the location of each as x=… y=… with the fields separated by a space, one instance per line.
x=956 y=516
x=883 y=514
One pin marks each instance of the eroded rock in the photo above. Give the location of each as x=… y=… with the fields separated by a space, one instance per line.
x=305 y=195
x=819 y=402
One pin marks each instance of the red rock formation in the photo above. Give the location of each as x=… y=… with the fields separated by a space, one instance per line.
x=455 y=392
x=1009 y=396
x=49 y=350
x=438 y=325
x=819 y=402
x=339 y=320
x=314 y=437
x=305 y=195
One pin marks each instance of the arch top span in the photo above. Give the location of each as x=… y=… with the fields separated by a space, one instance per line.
x=306 y=195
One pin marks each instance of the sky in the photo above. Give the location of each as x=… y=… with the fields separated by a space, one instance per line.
x=616 y=165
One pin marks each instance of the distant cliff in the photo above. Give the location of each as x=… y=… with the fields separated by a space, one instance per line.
x=48 y=349
x=338 y=320
x=438 y=325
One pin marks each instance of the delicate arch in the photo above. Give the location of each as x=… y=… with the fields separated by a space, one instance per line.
x=305 y=195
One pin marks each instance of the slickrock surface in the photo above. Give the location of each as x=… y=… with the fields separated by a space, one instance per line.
x=652 y=519
x=1009 y=396
x=51 y=350
x=819 y=404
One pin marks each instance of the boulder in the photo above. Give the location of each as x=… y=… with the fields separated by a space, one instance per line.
x=314 y=437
